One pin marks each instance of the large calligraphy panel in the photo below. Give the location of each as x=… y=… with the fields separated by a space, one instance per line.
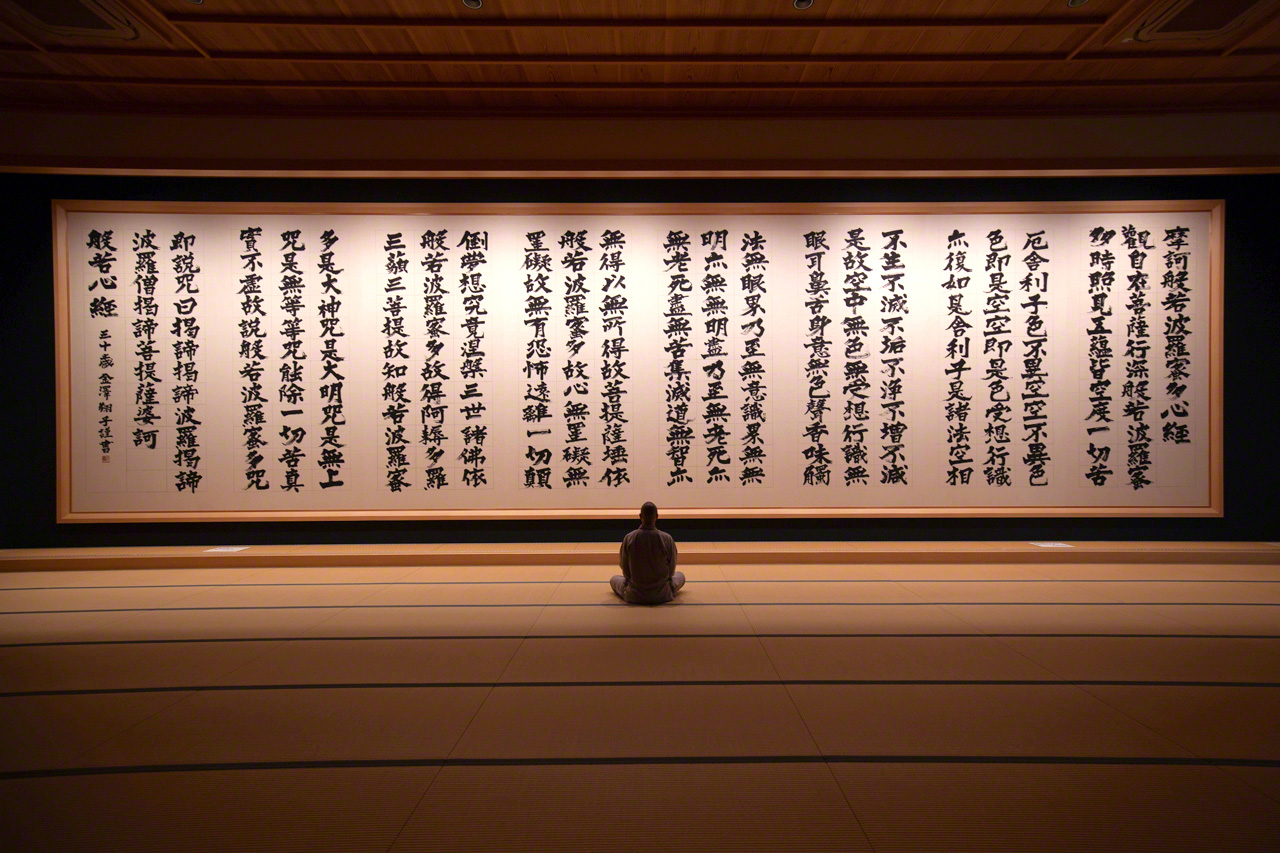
x=241 y=361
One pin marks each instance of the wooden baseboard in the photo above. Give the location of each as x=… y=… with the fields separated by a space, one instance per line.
x=606 y=554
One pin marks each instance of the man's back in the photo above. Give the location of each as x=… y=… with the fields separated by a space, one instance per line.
x=648 y=561
x=650 y=555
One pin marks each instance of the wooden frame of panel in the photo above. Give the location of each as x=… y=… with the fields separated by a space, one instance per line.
x=62 y=327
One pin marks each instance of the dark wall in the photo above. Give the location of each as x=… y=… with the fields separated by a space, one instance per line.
x=27 y=455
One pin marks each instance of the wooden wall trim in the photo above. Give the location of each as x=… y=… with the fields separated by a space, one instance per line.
x=1070 y=168
x=636 y=147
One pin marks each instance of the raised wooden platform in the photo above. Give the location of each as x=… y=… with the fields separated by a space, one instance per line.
x=603 y=553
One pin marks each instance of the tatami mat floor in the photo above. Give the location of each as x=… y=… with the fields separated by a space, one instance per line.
x=879 y=707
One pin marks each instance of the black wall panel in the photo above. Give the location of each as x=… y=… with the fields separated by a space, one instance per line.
x=1252 y=355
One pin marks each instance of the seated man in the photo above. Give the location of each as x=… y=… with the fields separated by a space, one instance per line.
x=648 y=561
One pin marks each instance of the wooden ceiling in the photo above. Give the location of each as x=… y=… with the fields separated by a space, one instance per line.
x=855 y=58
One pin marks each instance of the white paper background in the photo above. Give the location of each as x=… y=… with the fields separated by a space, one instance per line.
x=135 y=479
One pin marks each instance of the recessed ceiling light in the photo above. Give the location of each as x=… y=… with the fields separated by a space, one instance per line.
x=473 y=4
x=196 y=2
x=802 y=4
x=1074 y=3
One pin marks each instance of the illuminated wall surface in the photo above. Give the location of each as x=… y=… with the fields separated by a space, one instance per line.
x=823 y=359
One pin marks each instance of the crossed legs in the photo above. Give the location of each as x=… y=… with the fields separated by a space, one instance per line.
x=618 y=584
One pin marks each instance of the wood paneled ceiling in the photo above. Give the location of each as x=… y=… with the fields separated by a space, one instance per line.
x=595 y=58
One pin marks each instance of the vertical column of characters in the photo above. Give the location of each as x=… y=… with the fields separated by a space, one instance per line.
x=1035 y=359
x=893 y=347
x=817 y=366
x=537 y=361
x=329 y=311
x=1176 y=284
x=715 y=323
x=752 y=372
x=613 y=365
x=434 y=411
x=576 y=453
x=677 y=330
x=253 y=419
x=395 y=363
x=291 y=393
x=186 y=373
x=104 y=308
x=1135 y=392
x=1102 y=279
x=997 y=342
x=145 y=324
x=957 y=406
x=856 y=414
x=473 y=370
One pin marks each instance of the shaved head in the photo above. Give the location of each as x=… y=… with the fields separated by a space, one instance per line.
x=649 y=512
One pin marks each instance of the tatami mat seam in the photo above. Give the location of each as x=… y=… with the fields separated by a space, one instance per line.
x=168 y=706
x=1219 y=764
x=4 y=590
x=179 y=698
x=639 y=635
x=273 y=646
x=1146 y=605
x=1273 y=795
x=476 y=713
x=808 y=730
x=999 y=639
x=785 y=634
x=427 y=791
x=1095 y=698
x=692 y=682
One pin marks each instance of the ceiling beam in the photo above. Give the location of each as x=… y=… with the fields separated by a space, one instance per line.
x=205 y=110
x=349 y=58
x=144 y=10
x=684 y=86
x=1129 y=10
x=1252 y=32
x=10 y=28
x=330 y=21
